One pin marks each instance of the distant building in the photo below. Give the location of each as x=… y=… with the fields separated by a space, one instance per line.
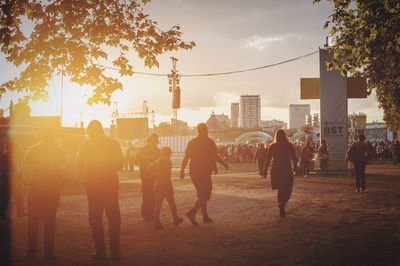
x=224 y=120
x=214 y=124
x=273 y=125
x=250 y=111
x=235 y=115
x=357 y=124
x=377 y=131
x=297 y=115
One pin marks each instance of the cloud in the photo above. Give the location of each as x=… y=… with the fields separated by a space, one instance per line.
x=260 y=43
x=226 y=98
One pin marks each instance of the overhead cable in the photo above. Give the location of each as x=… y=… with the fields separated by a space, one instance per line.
x=219 y=73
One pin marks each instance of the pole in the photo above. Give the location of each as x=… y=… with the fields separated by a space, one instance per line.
x=174 y=88
x=62 y=95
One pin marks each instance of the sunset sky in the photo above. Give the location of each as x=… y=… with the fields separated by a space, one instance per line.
x=230 y=35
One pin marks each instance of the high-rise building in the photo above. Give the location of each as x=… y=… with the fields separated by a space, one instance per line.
x=234 y=115
x=297 y=115
x=250 y=111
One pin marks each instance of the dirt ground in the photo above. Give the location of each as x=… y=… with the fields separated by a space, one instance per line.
x=327 y=223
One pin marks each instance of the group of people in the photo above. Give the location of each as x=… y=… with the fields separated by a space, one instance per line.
x=100 y=159
x=237 y=153
x=380 y=150
x=305 y=152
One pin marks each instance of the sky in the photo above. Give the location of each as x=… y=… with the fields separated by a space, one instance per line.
x=229 y=35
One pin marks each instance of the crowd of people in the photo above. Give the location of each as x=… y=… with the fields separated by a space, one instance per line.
x=100 y=158
x=237 y=153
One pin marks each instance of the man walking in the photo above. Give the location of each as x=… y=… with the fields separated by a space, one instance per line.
x=203 y=156
x=46 y=165
x=102 y=158
x=145 y=156
x=260 y=156
x=357 y=153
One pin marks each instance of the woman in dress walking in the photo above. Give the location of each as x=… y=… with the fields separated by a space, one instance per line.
x=283 y=165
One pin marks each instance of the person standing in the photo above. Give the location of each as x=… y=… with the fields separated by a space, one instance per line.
x=379 y=151
x=5 y=173
x=306 y=155
x=202 y=153
x=102 y=159
x=145 y=156
x=284 y=164
x=46 y=165
x=130 y=157
x=324 y=156
x=260 y=156
x=163 y=189
x=357 y=153
x=395 y=149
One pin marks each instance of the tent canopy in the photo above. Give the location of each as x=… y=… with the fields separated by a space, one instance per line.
x=253 y=137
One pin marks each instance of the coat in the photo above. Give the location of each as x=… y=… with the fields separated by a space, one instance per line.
x=282 y=155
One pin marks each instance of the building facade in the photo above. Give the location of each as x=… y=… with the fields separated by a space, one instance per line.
x=250 y=111
x=235 y=115
x=273 y=125
x=298 y=114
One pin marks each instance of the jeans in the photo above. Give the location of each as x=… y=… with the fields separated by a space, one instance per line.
x=359 y=168
x=100 y=202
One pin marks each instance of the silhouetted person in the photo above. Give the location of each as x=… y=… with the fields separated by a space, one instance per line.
x=130 y=153
x=11 y=180
x=395 y=149
x=161 y=170
x=203 y=156
x=145 y=156
x=305 y=156
x=357 y=153
x=102 y=158
x=46 y=165
x=260 y=156
x=282 y=153
x=324 y=156
x=5 y=178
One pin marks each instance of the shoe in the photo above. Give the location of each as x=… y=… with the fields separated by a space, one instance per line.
x=99 y=254
x=207 y=220
x=364 y=190
x=282 y=212
x=358 y=190
x=192 y=218
x=157 y=224
x=178 y=221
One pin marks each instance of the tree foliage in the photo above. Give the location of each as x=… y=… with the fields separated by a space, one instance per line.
x=366 y=41
x=72 y=36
